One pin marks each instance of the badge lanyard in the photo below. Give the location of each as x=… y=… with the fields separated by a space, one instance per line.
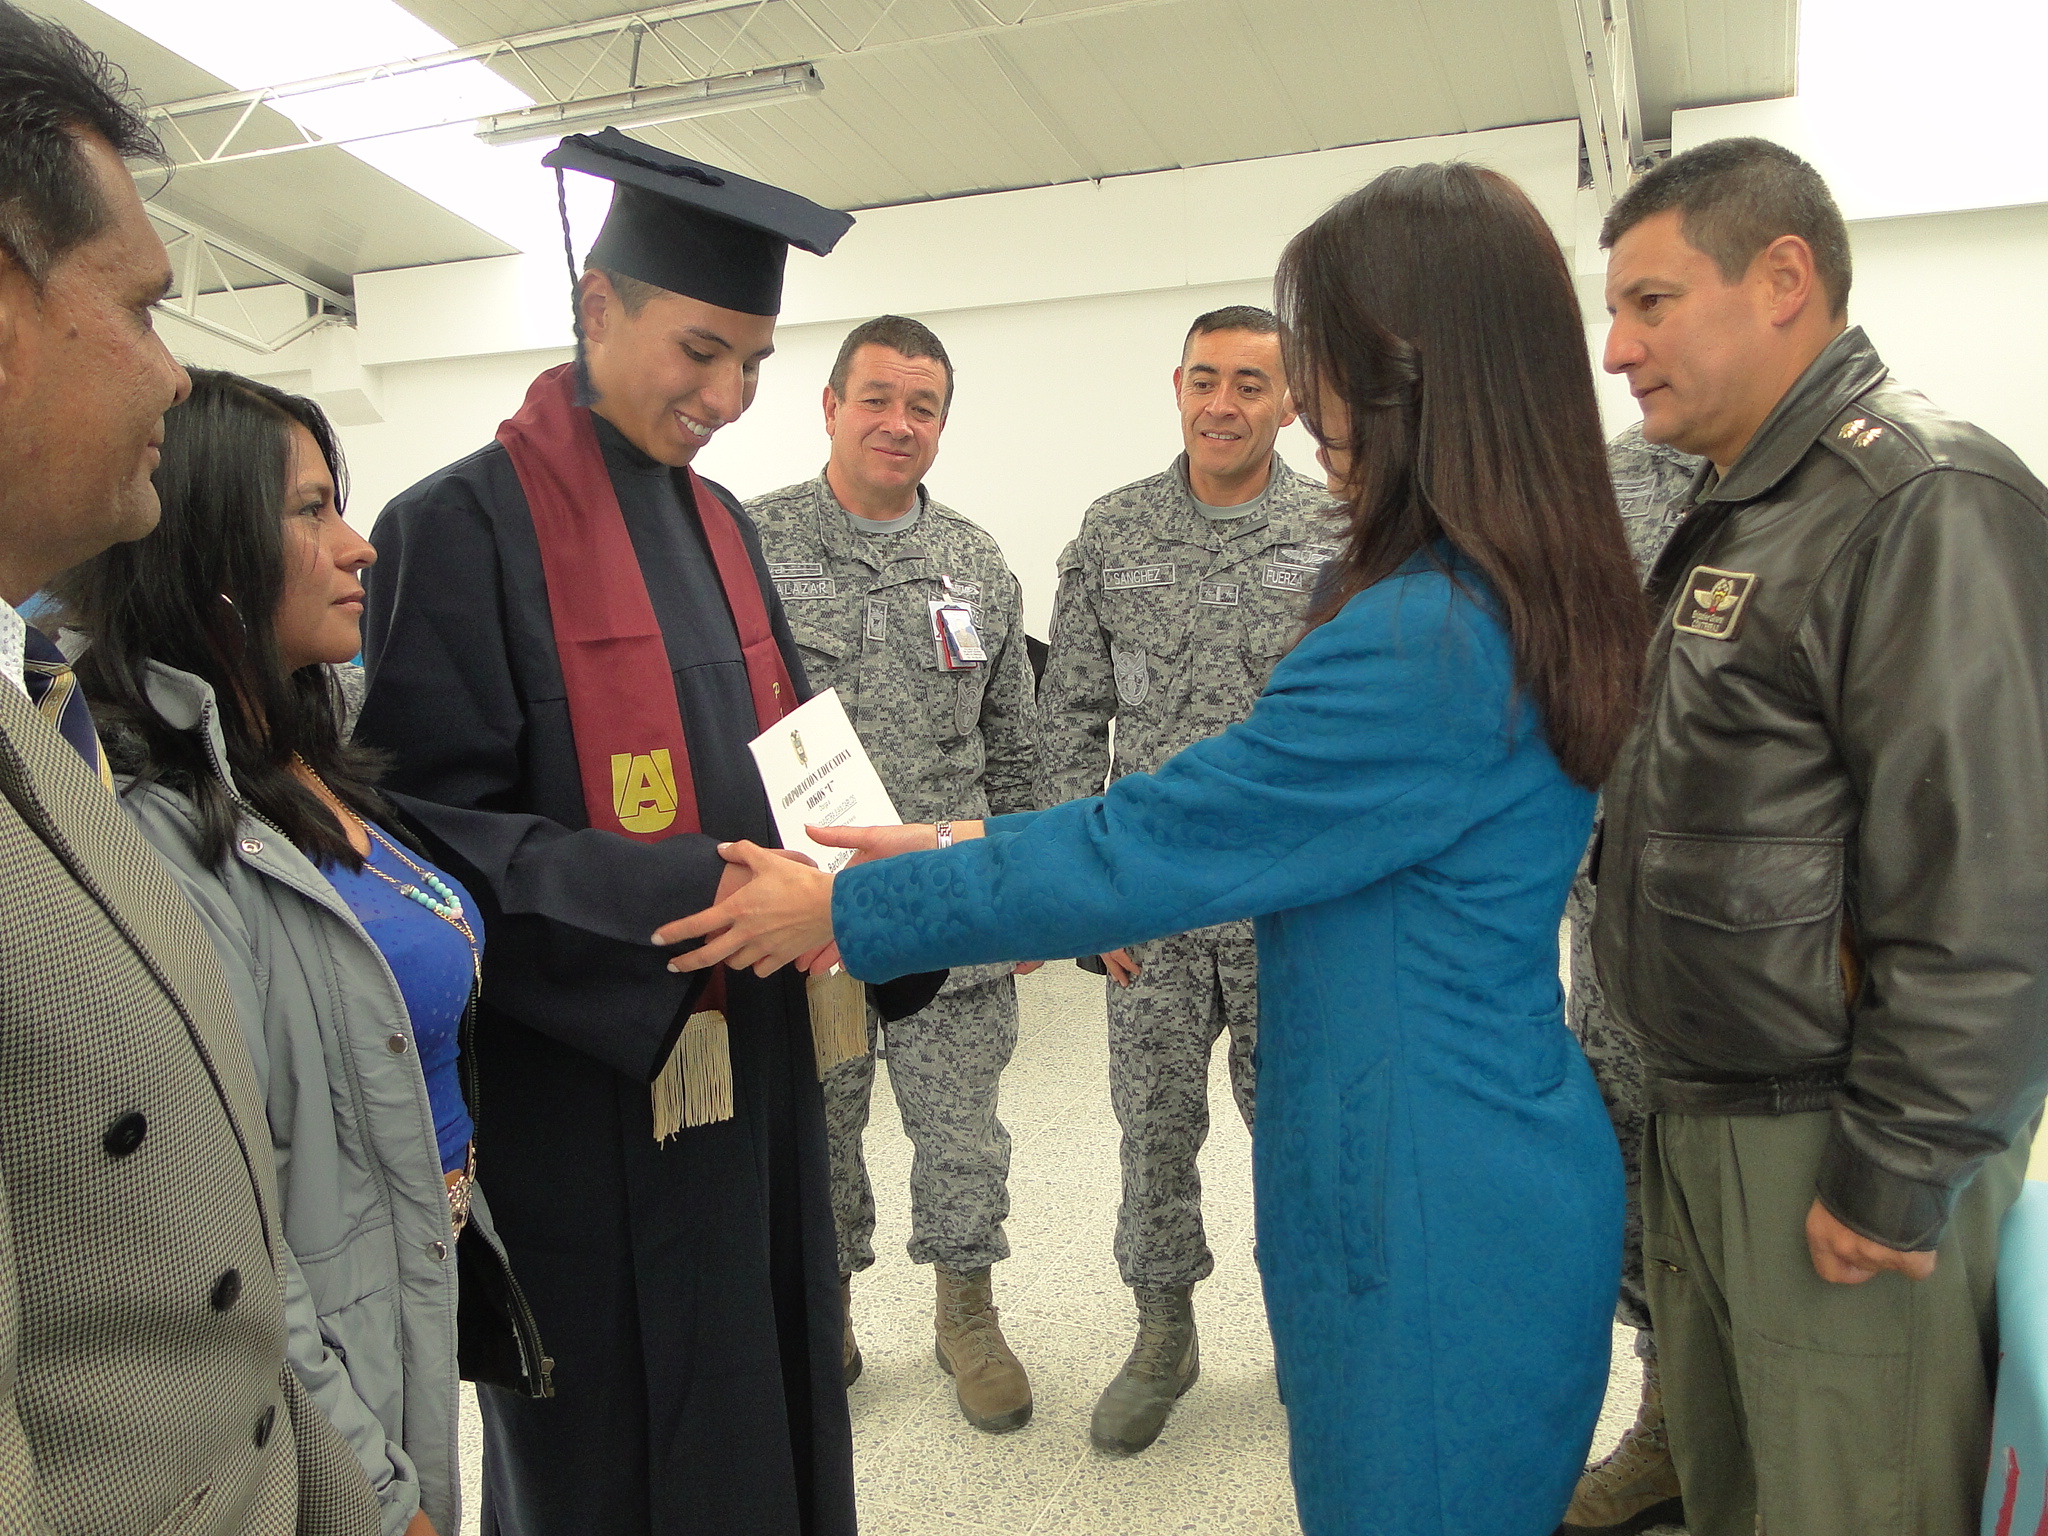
x=959 y=646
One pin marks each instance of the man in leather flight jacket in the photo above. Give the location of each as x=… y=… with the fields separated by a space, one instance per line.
x=1823 y=892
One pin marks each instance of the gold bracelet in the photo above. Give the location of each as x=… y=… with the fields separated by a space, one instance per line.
x=460 y=1184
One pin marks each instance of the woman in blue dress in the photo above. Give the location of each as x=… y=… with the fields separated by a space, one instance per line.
x=1438 y=1189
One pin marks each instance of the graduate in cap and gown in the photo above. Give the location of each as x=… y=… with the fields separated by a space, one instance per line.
x=571 y=638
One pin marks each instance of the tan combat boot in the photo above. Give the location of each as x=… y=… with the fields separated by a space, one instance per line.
x=992 y=1389
x=850 y=1361
x=1636 y=1487
x=1163 y=1364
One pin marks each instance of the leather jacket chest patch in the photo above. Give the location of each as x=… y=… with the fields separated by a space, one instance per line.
x=1712 y=602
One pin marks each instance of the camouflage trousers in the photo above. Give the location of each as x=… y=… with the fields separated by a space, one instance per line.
x=945 y=1064
x=1618 y=1070
x=1190 y=989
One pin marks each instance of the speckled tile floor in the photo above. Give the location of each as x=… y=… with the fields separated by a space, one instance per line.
x=1221 y=1464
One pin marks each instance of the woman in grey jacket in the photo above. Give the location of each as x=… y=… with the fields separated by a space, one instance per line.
x=353 y=960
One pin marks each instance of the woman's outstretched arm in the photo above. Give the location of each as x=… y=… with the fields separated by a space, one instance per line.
x=1380 y=740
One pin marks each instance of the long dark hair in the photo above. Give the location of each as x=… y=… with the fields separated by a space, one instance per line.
x=1435 y=306
x=200 y=594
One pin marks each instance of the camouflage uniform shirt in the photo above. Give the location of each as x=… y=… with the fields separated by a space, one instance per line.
x=948 y=745
x=1170 y=624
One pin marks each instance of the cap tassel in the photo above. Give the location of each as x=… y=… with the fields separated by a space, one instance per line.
x=839 y=1019
x=695 y=1084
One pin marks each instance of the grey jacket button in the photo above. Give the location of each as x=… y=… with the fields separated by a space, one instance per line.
x=265 y=1423
x=251 y=845
x=396 y=1045
x=125 y=1134
x=438 y=1252
x=227 y=1290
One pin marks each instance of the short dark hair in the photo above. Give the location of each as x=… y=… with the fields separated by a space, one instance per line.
x=52 y=89
x=634 y=294
x=899 y=333
x=200 y=593
x=1735 y=196
x=1232 y=317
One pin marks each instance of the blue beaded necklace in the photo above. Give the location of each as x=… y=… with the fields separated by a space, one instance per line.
x=432 y=892
x=437 y=898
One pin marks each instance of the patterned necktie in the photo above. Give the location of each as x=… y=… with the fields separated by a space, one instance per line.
x=53 y=689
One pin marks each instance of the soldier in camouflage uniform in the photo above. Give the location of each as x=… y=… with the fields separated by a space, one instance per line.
x=859 y=556
x=1175 y=601
x=1637 y=1484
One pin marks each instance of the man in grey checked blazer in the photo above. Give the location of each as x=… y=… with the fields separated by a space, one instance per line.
x=143 y=1384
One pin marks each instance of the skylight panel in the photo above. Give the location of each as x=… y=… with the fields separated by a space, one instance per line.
x=254 y=44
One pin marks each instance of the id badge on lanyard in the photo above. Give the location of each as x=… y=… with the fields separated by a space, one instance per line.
x=959 y=646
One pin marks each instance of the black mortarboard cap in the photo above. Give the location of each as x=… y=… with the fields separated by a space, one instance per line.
x=693 y=229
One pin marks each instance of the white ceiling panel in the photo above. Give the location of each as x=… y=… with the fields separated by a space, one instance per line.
x=940 y=98
x=320 y=212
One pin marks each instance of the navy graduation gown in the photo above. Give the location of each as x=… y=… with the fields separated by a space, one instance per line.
x=687 y=1293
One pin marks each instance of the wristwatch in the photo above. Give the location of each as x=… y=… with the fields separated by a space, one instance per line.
x=945 y=831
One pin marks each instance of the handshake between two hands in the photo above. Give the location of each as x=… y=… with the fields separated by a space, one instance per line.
x=774 y=905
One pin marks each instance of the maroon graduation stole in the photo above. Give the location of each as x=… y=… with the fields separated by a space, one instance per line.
x=621 y=688
x=623 y=712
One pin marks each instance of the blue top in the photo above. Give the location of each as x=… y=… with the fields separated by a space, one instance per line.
x=1438 y=1190
x=431 y=962
x=1383 y=739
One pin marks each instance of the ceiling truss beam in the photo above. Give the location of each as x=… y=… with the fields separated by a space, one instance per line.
x=199 y=265
x=1600 y=52
x=179 y=120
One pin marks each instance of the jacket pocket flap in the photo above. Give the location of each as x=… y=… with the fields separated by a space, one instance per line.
x=1740 y=884
x=818 y=637
x=1271 y=634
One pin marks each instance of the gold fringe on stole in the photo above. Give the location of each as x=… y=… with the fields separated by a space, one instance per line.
x=695 y=1085
x=839 y=1019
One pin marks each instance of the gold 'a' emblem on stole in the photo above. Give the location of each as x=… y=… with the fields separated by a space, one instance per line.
x=644 y=790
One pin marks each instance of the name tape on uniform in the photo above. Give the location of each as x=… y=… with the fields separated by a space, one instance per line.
x=1289 y=578
x=1130 y=576
x=799 y=590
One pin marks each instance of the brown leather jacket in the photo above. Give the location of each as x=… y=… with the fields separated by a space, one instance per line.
x=1824 y=881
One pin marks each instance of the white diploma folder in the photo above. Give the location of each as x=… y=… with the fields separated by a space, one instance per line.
x=816 y=771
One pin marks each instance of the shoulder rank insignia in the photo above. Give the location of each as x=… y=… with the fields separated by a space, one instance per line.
x=1713 y=601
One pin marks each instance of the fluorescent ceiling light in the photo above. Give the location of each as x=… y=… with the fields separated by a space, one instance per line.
x=256 y=43
x=643 y=109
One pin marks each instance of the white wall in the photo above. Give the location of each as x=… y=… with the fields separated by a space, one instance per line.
x=1057 y=402
x=1064 y=310
x=1955 y=304
x=1950 y=242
